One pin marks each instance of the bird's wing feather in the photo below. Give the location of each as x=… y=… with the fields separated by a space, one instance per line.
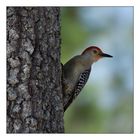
x=79 y=86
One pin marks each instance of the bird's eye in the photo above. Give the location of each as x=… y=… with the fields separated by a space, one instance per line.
x=95 y=51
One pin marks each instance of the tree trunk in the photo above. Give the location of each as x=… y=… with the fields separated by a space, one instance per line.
x=34 y=91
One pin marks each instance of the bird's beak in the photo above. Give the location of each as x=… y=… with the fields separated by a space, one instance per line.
x=105 y=55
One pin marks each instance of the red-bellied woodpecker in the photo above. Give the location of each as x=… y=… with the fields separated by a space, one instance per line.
x=76 y=72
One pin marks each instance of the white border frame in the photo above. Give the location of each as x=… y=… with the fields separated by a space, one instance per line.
x=5 y=3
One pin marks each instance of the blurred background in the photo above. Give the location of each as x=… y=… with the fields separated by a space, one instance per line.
x=105 y=105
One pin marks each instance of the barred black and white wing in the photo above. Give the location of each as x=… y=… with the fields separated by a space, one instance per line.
x=83 y=78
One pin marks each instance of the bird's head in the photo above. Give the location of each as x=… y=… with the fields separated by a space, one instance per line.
x=95 y=53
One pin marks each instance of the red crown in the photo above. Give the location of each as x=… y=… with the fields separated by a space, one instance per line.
x=91 y=48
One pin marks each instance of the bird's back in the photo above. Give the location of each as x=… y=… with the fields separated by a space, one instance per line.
x=79 y=86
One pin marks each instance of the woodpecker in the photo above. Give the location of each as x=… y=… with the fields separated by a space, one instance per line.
x=76 y=73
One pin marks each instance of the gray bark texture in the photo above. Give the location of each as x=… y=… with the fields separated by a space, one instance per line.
x=34 y=91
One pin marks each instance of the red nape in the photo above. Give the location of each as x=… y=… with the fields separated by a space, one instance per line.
x=91 y=48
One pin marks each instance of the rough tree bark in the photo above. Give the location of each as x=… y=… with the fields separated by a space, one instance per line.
x=34 y=93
